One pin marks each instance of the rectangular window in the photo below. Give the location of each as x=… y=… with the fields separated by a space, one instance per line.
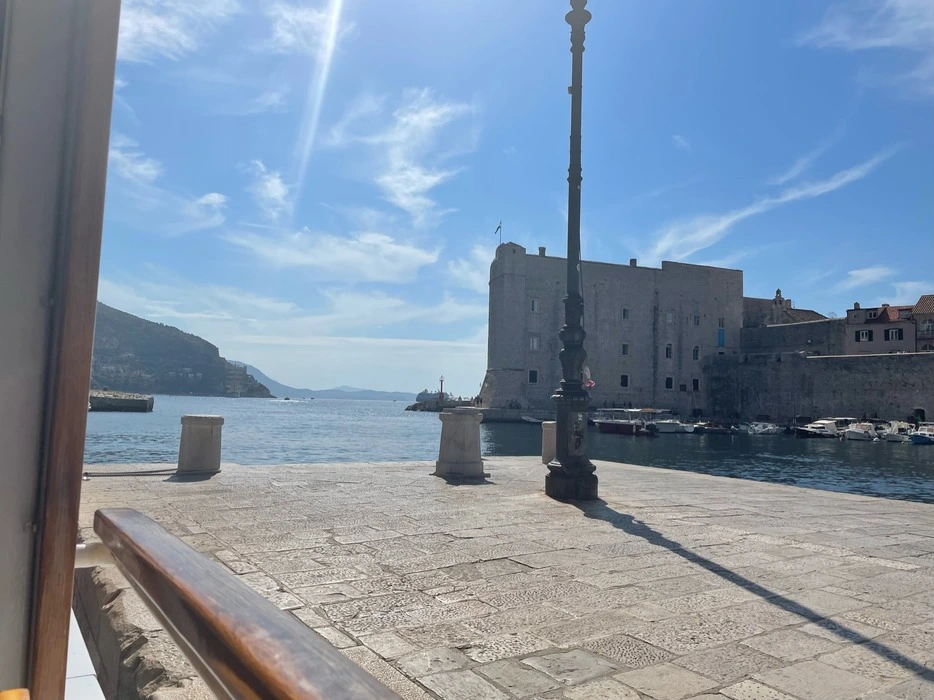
x=625 y=314
x=533 y=376
x=863 y=336
x=669 y=351
x=696 y=320
x=721 y=337
x=535 y=342
x=695 y=384
x=624 y=350
x=669 y=382
x=684 y=387
x=872 y=314
x=535 y=306
x=624 y=380
x=720 y=322
x=668 y=317
x=894 y=334
x=695 y=353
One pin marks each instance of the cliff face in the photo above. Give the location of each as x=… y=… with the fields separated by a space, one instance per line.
x=133 y=354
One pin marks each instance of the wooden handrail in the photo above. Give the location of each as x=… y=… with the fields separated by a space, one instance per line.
x=242 y=645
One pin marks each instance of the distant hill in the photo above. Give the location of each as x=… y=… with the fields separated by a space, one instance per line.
x=133 y=354
x=341 y=392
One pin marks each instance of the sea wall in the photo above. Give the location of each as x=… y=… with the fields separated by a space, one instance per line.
x=785 y=385
x=827 y=337
x=119 y=401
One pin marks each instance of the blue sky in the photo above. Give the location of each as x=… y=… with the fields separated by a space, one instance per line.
x=313 y=187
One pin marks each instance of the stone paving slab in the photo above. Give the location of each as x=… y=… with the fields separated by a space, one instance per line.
x=675 y=586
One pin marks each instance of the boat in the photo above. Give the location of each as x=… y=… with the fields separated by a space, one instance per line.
x=865 y=432
x=622 y=421
x=764 y=429
x=897 y=431
x=531 y=419
x=924 y=435
x=825 y=428
x=714 y=429
x=672 y=425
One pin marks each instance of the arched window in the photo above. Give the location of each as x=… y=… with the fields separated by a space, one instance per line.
x=927 y=348
x=669 y=351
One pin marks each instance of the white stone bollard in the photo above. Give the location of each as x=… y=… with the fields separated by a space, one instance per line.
x=199 y=451
x=459 y=455
x=549 y=433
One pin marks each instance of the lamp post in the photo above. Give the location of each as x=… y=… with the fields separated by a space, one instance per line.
x=441 y=393
x=571 y=474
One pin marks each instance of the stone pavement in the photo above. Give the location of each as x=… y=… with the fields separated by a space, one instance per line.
x=679 y=585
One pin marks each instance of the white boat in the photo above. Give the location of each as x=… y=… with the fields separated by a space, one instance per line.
x=764 y=429
x=897 y=431
x=825 y=428
x=860 y=431
x=673 y=426
x=531 y=419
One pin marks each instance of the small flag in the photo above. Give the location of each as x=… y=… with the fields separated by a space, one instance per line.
x=588 y=382
x=498 y=228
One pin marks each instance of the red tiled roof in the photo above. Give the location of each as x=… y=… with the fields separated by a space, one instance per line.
x=889 y=314
x=925 y=305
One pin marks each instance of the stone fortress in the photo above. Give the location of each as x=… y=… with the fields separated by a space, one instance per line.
x=684 y=337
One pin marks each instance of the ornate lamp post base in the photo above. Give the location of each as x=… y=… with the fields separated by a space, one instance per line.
x=571 y=474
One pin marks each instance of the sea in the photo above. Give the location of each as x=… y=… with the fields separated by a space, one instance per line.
x=274 y=431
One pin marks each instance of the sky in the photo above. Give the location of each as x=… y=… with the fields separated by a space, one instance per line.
x=314 y=186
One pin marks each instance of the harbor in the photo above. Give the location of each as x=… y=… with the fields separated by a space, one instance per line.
x=675 y=585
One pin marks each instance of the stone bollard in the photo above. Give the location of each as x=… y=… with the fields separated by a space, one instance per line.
x=199 y=452
x=549 y=433
x=459 y=456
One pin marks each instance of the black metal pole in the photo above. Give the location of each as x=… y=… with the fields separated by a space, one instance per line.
x=571 y=475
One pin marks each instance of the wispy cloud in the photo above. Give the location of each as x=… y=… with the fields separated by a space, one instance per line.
x=408 y=168
x=663 y=189
x=904 y=25
x=905 y=293
x=269 y=191
x=738 y=256
x=808 y=159
x=863 y=277
x=680 y=142
x=370 y=257
x=271 y=100
x=682 y=239
x=134 y=175
x=473 y=272
x=168 y=29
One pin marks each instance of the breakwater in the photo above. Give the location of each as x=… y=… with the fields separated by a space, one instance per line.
x=119 y=401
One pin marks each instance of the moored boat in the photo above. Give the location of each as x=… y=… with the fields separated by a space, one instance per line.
x=825 y=428
x=621 y=421
x=897 y=431
x=860 y=431
x=924 y=435
x=672 y=425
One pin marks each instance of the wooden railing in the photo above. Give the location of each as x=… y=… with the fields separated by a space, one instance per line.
x=240 y=644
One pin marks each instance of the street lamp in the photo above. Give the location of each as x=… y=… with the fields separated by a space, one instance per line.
x=571 y=474
x=441 y=393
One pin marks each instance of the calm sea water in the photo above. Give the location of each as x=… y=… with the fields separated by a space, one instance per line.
x=258 y=431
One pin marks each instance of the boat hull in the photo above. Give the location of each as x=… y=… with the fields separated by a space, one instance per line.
x=922 y=440
x=618 y=428
x=858 y=435
x=806 y=433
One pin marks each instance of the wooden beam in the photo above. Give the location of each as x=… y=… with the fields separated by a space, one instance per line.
x=83 y=174
x=241 y=644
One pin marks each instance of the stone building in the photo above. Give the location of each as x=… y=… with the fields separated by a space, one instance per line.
x=659 y=337
x=648 y=329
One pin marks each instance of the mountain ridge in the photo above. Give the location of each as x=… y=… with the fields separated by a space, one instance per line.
x=349 y=393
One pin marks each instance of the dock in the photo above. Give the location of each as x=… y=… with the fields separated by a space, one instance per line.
x=119 y=401
x=677 y=585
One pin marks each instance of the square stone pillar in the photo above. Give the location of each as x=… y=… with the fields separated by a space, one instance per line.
x=459 y=455
x=548 y=441
x=199 y=451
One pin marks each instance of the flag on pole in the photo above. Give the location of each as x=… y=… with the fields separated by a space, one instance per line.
x=588 y=382
x=499 y=228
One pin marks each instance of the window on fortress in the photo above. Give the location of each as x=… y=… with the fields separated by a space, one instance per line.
x=894 y=334
x=535 y=306
x=695 y=353
x=927 y=348
x=695 y=385
x=624 y=380
x=684 y=387
x=696 y=320
x=668 y=317
x=669 y=351
x=625 y=314
x=624 y=350
x=720 y=323
x=533 y=376
x=669 y=382
x=535 y=342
